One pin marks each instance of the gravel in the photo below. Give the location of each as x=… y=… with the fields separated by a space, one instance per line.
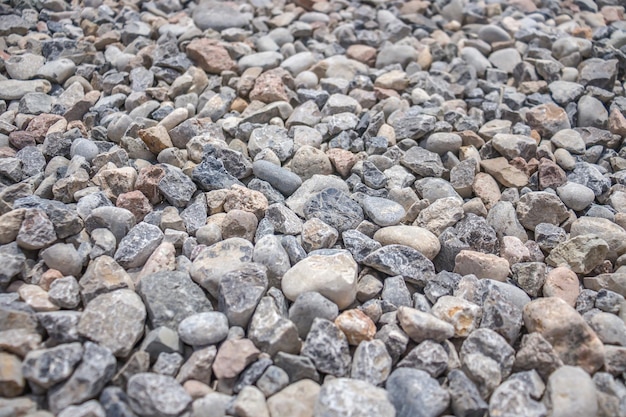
x=312 y=208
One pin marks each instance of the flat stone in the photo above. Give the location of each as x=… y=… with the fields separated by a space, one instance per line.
x=206 y=328
x=581 y=253
x=402 y=260
x=421 y=326
x=415 y=393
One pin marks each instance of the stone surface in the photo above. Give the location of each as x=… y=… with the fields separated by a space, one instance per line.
x=343 y=396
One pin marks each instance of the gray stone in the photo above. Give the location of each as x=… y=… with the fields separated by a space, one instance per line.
x=201 y=329
x=570 y=391
x=170 y=297
x=308 y=306
x=343 y=396
x=421 y=326
x=115 y=320
x=278 y=177
x=270 y=331
x=371 y=362
x=273 y=380
x=334 y=208
x=359 y=245
x=90 y=377
x=540 y=207
x=464 y=396
x=327 y=347
x=402 y=260
x=415 y=393
x=47 y=367
x=297 y=367
x=156 y=395
x=168 y=363
x=137 y=246
x=423 y=162
x=428 y=356
x=515 y=397
x=382 y=211
x=239 y=292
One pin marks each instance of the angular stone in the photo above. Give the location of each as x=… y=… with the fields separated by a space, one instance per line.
x=327 y=347
x=156 y=395
x=216 y=260
x=240 y=291
x=103 y=275
x=464 y=396
x=233 y=356
x=344 y=396
x=271 y=332
x=90 y=377
x=483 y=265
x=574 y=341
x=334 y=208
x=402 y=260
x=295 y=400
x=421 y=326
x=115 y=320
x=170 y=297
x=371 y=362
x=540 y=207
x=536 y=352
x=581 y=253
x=414 y=393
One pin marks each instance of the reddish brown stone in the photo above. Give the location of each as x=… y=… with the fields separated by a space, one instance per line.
x=135 y=202
x=7 y=152
x=20 y=139
x=148 y=183
x=547 y=119
x=210 y=56
x=617 y=122
x=270 y=86
x=39 y=126
x=550 y=174
x=342 y=160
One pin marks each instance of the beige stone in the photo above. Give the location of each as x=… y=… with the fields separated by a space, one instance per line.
x=483 y=265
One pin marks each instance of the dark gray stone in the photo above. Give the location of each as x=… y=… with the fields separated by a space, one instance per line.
x=239 y=292
x=402 y=260
x=335 y=208
x=327 y=347
x=415 y=394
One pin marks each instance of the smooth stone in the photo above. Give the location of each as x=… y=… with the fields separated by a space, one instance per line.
x=415 y=237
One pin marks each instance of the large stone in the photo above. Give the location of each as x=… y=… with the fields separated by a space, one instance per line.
x=349 y=397
x=571 y=392
x=581 y=253
x=295 y=400
x=93 y=373
x=572 y=338
x=334 y=208
x=270 y=331
x=115 y=320
x=540 y=207
x=47 y=367
x=402 y=260
x=331 y=273
x=239 y=292
x=328 y=348
x=137 y=246
x=170 y=297
x=415 y=237
x=216 y=260
x=421 y=326
x=414 y=393
x=156 y=395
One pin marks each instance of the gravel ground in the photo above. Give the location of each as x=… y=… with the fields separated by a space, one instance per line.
x=312 y=208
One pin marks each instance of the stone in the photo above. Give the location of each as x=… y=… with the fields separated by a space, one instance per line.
x=92 y=374
x=218 y=259
x=465 y=400
x=115 y=320
x=334 y=208
x=581 y=253
x=371 y=362
x=210 y=56
x=576 y=196
x=344 y=396
x=233 y=356
x=327 y=346
x=250 y=402
x=536 y=352
x=421 y=326
x=64 y=258
x=540 y=207
x=570 y=391
x=382 y=211
x=270 y=331
x=604 y=229
x=170 y=297
x=573 y=340
x=309 y=305
x=331 y=273
x=278 y=177
x=239 y=292
x=156 y=395
x=441 y=214
x=515 y=397
x=483 y=265
x=137 y=246
x=428 y=356
x=36 y=231
x=402 y=260
x=318 y=235
x=206 y=328
x=547 y=119
x=463 y=315
x=414 y=393
x=295 y=400
x=356 y=325
x=11 y=378
x=505 y=173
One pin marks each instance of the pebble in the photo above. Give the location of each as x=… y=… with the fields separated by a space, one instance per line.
x=411 y=174
x=571 y=392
